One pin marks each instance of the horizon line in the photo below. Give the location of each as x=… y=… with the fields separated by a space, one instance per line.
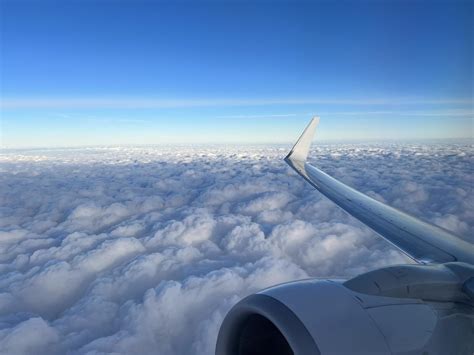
x=221 y=143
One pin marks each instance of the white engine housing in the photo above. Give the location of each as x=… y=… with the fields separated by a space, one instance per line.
x=326 y=317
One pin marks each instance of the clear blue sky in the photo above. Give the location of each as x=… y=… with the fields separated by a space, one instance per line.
x=111 y=72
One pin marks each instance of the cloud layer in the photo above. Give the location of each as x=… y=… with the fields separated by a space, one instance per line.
x=143 y=250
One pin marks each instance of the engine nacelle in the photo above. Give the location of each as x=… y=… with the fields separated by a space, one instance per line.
x=326 y=317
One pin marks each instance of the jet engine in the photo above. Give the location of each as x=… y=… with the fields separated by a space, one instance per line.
x=333 y=317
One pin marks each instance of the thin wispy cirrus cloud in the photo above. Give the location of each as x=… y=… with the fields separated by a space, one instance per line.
x=144 y=249
x=80 y=121
x=462 y=112
x=133 y=102
x=468 y=113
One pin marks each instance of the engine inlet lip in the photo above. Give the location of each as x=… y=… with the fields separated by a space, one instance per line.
x=289 y=325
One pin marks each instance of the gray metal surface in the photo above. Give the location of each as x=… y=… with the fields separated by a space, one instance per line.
x=436 y=282
x=287 y=322
x=422 y=241
x=323 y=316
x=333 y=316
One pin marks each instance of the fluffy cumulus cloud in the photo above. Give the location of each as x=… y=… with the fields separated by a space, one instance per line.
x=144 y=250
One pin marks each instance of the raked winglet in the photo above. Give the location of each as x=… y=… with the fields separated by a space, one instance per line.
x=422 y=241
x=300 y=150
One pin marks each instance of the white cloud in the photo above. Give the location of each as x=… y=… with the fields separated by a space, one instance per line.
x=33 y=336
x=144 y=249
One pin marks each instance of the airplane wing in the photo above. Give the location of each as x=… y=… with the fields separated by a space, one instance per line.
x=422 y=241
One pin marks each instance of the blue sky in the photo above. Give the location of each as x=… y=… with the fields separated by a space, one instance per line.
x=117 y=72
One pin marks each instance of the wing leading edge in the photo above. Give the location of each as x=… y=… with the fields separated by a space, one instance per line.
x=422 y=241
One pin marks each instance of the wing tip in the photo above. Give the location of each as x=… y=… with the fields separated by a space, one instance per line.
x=300 y=150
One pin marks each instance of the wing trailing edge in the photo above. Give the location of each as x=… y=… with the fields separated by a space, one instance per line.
x=422 y=241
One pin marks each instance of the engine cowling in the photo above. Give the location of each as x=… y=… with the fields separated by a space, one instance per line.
x=326 y=317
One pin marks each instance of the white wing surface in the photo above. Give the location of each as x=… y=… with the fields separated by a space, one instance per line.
x=422 y=241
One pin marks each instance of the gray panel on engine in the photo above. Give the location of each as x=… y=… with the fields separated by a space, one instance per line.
x=333 y=316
